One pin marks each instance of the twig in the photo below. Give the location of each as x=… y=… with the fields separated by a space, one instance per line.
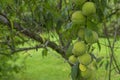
x=111 y=46
x=28 y=48
x=109 y=76
x=115 y=34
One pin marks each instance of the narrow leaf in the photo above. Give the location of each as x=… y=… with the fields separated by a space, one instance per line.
x=75 y=71
x=99 y=46
x=44 y=52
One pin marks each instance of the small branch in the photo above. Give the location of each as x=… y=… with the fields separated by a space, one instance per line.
x=28 y=48
x=60 y=39
x=117 y=66
x=114 y=67
x=4 y=20
x=4 y=54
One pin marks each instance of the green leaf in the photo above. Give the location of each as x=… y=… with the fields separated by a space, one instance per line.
x=99 y=59
x=92 y=25
x=69 y=51
x=58 y=25
x=44 y=52
x=68 y=26
x=107 y=65
x=75 y=71
x=88 y=32
x=104 y=4
x=100 y=65
x=99 y=10
x=99 y=46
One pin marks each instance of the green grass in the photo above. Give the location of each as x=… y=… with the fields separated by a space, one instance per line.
x=51 y=67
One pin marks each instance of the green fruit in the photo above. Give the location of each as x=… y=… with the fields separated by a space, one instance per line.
x=69 y=51
x=67 y=1
x=81 y=34
x=82 y=67
x=72 y=59
x=78 y=18
x=79 y=48
x=92 y=37
x=85 y=59
x=89 y=8
x=79 y=2
x=86 y=74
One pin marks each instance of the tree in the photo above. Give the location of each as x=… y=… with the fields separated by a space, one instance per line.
x=28 y=20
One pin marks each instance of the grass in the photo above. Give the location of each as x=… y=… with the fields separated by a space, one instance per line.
x=51 y=67
x=54 y=67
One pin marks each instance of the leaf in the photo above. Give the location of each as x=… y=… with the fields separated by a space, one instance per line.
x=100 y=65
x=99 y=59
x=58 y=25
x=75 y=71
x=99 y=46
x=92 y=25
x=44 y=52
x=99 y=10
x=69 y=25
x=93 y=56
x=104 y=4
x=88 y=32
x=69 y=51
x=107 y=65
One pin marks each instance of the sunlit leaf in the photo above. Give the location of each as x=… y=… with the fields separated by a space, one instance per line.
x=44 y=52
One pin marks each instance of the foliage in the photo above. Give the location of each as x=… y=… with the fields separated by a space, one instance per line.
x=9 y=66
x=22 y=21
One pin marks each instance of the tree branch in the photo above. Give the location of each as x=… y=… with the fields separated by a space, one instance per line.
x=32 y=35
